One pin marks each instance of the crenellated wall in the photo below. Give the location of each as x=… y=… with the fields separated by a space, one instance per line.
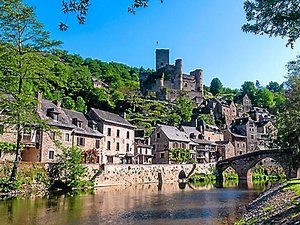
x=138 y=174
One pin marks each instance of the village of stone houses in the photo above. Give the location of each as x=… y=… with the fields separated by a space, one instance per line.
x=110 y=140
x=147 y=112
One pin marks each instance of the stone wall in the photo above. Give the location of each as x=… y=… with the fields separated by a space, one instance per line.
x=138 y=174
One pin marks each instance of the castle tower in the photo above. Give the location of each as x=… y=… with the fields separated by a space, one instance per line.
x=178 y=81
x=198 y=73
x=162 y=58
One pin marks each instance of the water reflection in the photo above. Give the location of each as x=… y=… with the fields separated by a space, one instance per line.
x=140 y=204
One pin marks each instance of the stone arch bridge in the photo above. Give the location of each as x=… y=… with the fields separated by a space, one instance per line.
x=243 y=164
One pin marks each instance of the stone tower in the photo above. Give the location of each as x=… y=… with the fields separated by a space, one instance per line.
x=178 y=82
x=198 y=74
x=162 y=58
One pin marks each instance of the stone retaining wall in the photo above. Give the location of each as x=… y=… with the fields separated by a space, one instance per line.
x=138 y=174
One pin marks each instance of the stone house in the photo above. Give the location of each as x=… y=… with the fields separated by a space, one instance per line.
x=225 y=150
x=238 y=141
x=142 y=148
x=260 y=114
x=67 y=128
x=246 y=127
x=205 y=149
x=266 y=134
x=165 y=138
x=118 y=137
x=85 y=135
x=43 y=143
x=223 y=111
x=210 y=132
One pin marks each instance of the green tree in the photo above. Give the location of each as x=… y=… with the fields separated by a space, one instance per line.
x=80 y=104
x=273 y=18
x=264 y=98
x=248 y=88
x=216 y=86
x=21 y=38
x=69 y=168
x=184 y=108
x=180 y=155
x=289 y=116
x=207 y=118
x=274 y=86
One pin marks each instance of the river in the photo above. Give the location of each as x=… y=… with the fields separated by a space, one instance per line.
x=136 y=205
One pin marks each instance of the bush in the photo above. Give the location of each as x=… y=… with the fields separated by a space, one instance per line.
x=70 y=170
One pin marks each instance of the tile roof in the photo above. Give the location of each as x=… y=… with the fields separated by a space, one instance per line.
x=85 y=129
x=174 y=134
x=191 y=130
x=62 y=121
x=111 y=117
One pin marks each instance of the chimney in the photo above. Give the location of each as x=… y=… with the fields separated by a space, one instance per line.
x=39 y=98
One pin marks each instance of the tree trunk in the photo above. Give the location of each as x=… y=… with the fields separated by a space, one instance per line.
x=18 y=155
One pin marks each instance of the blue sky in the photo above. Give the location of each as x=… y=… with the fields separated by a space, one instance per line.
x=204 y=33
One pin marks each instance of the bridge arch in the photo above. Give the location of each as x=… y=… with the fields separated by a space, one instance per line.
x=244 y=163
x=277 y=158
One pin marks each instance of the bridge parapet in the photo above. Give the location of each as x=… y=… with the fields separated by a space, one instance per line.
x=243 y=164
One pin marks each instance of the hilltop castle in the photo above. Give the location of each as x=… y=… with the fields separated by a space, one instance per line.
x=169 y=82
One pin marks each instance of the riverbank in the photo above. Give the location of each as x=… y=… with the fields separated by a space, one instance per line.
x=278 y=205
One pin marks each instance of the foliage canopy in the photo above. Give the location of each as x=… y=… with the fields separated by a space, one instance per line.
x=273 y=18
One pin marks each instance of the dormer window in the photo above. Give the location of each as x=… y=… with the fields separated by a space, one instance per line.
x=93 y=125
x=77 y=122
x=53 y=113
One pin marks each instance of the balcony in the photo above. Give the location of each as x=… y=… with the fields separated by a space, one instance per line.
x=29 y=140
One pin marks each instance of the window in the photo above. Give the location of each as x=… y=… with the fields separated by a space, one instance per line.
x=108 y=131
x=51 y=154
x=53 y=136
x=175 y=145
x=79 y=124
x=162 y=155
x=252 y=136
x=117 y=146
x=146 y=152
x=110 y=159
x=127 y=135
x=108 y=145
x=97 y=144
x=183 y=145
x=127 y=148
x=208 y=138
x=80 y=141
x=158 y=135
x=118 y=133
x=67 y=137
x=238 y=145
